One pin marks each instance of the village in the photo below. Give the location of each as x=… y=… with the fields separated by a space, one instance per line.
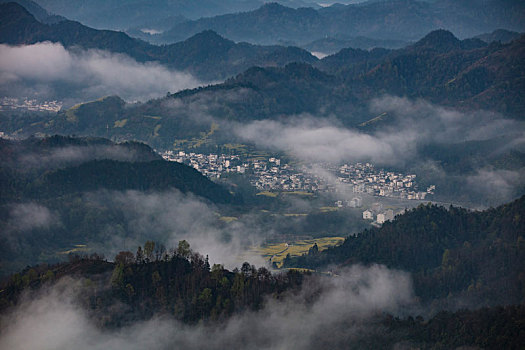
x=272 y=174
x=8 y=103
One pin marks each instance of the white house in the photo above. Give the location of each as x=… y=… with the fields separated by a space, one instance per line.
x=367 y=215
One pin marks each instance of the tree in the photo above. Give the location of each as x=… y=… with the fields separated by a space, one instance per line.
x=124 y=258
x=184 y=249
x=139 y=258
x=117 y=278
x=205 y=301
x=313 y=250
x=149 y=247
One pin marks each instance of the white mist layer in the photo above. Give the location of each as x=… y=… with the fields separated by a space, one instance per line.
x=338 y=316
x=50 y=70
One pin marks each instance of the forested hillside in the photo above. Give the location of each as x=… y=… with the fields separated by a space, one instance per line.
x=478 y=256
x=154 y=280
x=63 y=193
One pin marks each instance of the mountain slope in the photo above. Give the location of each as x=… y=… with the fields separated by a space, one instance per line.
x=465 y=74
x=57 y=166
x=37 y=11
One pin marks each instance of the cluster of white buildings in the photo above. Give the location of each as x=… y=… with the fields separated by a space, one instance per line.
x=379 y=216
x=265 y=174
x=271 y=174
x=356 y=202
x=9 y=103
x=211 y=165
x=364 y=178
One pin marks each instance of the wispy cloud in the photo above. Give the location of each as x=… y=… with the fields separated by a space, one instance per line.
x=27 y=216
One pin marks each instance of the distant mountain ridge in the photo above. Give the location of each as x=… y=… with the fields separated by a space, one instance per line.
x=206 y=55
x=124 y=14
x=501 y=35
x=405 y=20
x=329 y=46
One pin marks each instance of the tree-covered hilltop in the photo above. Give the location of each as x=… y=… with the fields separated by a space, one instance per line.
x=56 y=166
x=450 y=252
x=180 y=285
x=177 y=282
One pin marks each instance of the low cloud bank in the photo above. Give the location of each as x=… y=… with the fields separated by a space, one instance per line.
x=412 y=135
x=412 y=125
x=24 y=217
x=74 y=155
x=169 y=217
x=50 y=71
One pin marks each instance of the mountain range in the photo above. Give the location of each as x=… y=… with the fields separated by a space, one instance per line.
x=121 y=15
x=405 y=20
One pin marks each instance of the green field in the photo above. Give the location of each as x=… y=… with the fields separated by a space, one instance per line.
x=298 y=193
x=228 y=219
x=277 y=252
x=79 y=248
x=268 y=194
x=328 y=209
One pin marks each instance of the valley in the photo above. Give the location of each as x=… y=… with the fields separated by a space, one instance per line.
x=247 y=174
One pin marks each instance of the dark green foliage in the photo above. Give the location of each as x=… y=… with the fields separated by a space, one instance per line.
x=183 y=287
x=486 y=328
x=450 y=252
